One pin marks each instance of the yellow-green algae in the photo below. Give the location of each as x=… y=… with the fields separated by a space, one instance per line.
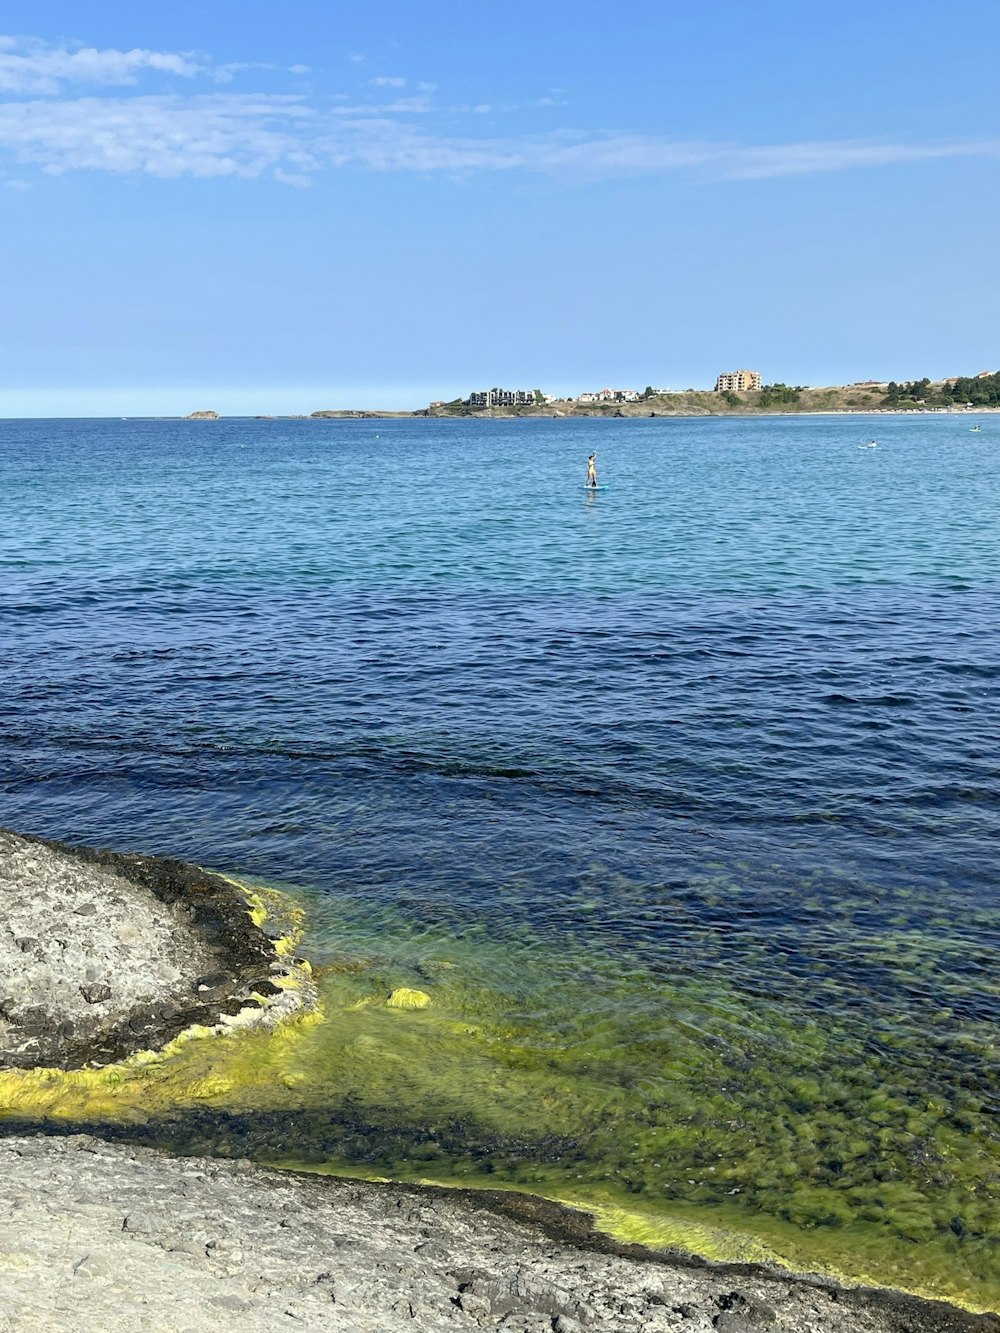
x=404 y=997
x=200 y=1065
x=680 y=1115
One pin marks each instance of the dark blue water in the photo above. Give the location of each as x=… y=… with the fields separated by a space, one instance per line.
x=731 y=722
x=229 y=639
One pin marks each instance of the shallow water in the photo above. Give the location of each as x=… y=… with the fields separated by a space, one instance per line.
x=680 y=801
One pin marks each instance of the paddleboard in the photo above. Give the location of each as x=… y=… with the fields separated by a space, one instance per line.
x=593 y=488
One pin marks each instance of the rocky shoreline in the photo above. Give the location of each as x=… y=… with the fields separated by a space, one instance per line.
x=622 y=411
x=104 y=955
x=142 y=1240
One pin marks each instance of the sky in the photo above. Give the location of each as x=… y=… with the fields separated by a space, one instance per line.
x=258 y=207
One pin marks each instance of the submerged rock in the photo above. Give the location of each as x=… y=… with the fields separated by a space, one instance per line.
x=404 y=998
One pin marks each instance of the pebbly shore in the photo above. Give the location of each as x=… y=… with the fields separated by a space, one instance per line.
x=103 y=955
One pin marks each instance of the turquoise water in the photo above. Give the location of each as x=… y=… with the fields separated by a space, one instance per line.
x=682 y=797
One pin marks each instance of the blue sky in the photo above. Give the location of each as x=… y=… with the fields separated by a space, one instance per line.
x=276 y=208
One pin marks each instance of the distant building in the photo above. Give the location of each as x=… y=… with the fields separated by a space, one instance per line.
x=738 y=381
x=987 y=374
x=610 y=396
x=867 y=384
x=502 y=398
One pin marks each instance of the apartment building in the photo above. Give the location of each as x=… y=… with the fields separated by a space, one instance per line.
x=502 y=398
x=738 y=381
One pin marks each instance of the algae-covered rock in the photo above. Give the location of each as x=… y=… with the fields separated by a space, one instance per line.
x=103 y=954
x=404 y=998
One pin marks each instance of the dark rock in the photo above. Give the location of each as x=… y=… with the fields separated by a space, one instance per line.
x=746 y=1308
x=96 y=992
x=214 y=981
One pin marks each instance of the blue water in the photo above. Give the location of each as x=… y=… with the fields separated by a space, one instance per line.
x=734 y=716
x=226 y=638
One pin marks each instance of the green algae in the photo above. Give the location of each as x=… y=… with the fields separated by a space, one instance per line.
x=679 y=1107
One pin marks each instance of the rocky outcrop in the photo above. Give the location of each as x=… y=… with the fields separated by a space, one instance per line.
x=102 y=954
x=118 y=1238
x=202 y=416
x=358 y=414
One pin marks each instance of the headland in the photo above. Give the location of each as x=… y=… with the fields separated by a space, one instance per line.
x=969 y=393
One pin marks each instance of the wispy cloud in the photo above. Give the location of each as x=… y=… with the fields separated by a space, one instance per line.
x=797 y=159
x=35 y=67
x=210 y=135
x=389 y=145
x=46 y=124
x=644 y=155
x=400 y=106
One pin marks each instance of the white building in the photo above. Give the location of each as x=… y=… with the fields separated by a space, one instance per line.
x=502 y=398
x=610 y=396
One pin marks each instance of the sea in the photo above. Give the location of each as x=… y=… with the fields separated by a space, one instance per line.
x=678 y=801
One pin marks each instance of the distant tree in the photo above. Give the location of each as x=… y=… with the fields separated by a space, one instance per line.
x=983 y=392
x=778 y=395
x=732 y=399
x=648 y=392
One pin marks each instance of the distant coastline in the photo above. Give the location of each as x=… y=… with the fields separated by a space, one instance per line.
x=960 y=395
x=626 y=411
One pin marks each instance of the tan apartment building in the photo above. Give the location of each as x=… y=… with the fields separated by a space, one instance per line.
x=738 y=381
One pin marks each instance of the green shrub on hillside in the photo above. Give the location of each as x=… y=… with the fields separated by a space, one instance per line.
x=779 y=395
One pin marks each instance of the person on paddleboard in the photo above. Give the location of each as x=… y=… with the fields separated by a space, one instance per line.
x=592 y=470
